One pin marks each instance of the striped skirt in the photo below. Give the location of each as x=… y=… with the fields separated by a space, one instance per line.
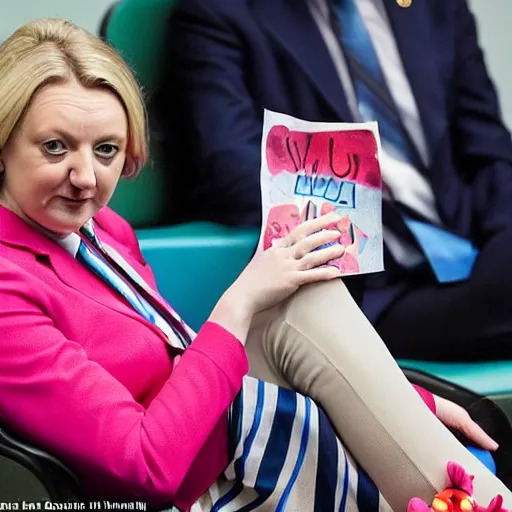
x=285 y=456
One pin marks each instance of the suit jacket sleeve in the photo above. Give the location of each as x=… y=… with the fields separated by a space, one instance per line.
x=208 y=97
x=483 y=148
x=52 y=394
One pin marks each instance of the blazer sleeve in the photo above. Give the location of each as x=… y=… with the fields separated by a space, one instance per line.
x=207 y=99
x=482 y=144
x=52 y=394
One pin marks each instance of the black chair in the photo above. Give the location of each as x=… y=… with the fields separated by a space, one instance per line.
x=30 y=474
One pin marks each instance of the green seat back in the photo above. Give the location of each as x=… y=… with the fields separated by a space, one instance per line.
x=487 y=378
x=138 y=29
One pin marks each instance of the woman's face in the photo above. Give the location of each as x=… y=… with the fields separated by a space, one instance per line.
x=64 y=160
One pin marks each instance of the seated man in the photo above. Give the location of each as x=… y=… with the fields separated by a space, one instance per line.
x=446 y=162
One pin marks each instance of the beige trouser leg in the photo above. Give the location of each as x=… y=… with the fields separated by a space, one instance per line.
x=320 y=343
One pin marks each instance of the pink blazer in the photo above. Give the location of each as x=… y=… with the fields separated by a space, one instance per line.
x=87 y=378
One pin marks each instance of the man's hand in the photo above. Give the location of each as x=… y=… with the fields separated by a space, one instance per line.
x=456 y=417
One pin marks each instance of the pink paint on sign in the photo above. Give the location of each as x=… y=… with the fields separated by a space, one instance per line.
x=345 y=155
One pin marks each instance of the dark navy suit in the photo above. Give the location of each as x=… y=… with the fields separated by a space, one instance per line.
x=230 y=59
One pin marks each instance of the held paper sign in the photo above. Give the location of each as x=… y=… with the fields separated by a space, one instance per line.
x=309 y=169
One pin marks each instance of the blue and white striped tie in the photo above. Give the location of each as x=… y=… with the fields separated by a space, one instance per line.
x=106 y=273
x=451 y=257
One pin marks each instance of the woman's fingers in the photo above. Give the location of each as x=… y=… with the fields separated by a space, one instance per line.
x=321 y=257
x=314 y=241
x=475 y=433
x=312 y=226
x=316 y=275
x=455 y=416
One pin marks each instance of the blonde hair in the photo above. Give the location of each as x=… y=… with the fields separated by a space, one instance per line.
x=52 y=51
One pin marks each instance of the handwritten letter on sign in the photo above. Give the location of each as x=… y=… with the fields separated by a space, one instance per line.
x=309 y=169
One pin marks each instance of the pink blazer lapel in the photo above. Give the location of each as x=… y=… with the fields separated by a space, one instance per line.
x=17 y=233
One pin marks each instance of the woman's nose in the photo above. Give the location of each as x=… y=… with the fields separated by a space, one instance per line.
x=81 y=173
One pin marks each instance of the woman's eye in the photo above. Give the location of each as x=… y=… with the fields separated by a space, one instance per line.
x=106 y=150
x=54 y=147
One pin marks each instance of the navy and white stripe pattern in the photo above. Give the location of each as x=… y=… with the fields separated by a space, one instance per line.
x=285 y=456
x=284 y=453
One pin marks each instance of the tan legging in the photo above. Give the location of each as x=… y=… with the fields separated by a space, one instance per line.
x=320 y=343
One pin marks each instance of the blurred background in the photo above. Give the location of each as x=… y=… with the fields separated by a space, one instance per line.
x=494 y=19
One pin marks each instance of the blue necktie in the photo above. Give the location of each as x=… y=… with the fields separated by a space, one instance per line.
x=96 y=264
x=450 y=256
x=117 y=262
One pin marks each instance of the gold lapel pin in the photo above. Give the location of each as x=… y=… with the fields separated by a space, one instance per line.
x=404 y=3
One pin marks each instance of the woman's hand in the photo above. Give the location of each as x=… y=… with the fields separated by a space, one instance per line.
x=456 y=417
x=278 y=272
x=292 y=261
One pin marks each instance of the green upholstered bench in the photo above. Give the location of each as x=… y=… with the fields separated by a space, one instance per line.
x=490 y=378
